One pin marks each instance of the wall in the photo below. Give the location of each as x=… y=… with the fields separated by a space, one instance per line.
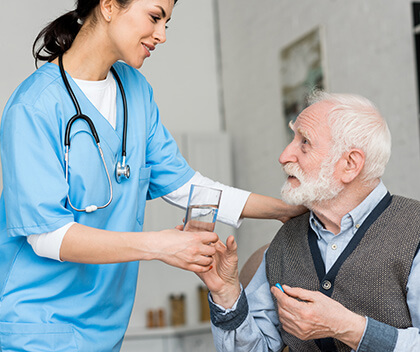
x=183 y=71
x=20 y=22
x=369 y=51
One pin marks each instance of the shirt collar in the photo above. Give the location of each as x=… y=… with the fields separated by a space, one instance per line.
x=355 y=217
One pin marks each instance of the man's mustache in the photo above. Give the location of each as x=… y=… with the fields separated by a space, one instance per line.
x=292 y=169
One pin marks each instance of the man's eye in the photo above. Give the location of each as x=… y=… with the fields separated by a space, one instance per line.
x=305 y=141
x=155 y=18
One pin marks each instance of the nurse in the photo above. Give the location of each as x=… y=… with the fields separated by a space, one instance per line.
x=68 y=277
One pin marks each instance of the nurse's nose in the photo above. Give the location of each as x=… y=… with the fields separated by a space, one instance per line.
x=160 y=34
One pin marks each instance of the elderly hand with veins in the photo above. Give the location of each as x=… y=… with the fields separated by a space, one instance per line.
x=222 y=279
x=312 y=315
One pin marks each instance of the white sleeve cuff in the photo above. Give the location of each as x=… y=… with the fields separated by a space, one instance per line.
x=48 y=244
x=224 y=310
x=231 y=204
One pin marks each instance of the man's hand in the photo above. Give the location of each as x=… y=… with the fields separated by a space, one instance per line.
x=312 y=315
x=222 y=280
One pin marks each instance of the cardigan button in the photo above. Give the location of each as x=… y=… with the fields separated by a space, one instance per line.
x=326 y=285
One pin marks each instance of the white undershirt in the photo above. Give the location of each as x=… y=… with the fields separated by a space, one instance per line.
x=103 y=95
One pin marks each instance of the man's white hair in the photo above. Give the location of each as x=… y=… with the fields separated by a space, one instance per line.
x=355 y=122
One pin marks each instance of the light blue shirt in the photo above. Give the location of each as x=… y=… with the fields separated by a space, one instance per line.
x=260 y=329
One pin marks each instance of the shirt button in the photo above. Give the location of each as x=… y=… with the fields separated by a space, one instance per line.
x=326 y=285
x=357 y=226
x=334 y=246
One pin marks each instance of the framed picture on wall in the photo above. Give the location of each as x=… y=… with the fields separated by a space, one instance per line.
x=302 y=69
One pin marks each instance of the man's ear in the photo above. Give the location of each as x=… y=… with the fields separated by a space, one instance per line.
x=352 y=165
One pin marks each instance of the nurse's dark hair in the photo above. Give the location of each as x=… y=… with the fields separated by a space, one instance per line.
x=58 y=36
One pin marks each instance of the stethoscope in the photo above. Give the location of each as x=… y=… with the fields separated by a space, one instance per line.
x=121 y=169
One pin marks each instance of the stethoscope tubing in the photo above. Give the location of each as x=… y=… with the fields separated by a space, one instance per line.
x=90 y=208
x=120 y=169
x=125 y=108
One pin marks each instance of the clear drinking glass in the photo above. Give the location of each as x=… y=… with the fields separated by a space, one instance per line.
x=203 y=205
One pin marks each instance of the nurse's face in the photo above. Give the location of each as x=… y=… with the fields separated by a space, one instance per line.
x=135 y=31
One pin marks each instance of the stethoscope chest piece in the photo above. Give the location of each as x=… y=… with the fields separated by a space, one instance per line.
x=122 y=170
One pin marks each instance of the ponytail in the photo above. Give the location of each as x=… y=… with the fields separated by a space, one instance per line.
x=56 y=38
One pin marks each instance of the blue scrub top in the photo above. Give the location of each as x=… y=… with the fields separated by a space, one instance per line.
x=62 y=306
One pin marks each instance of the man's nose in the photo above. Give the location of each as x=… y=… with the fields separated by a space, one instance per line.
x=288 y=155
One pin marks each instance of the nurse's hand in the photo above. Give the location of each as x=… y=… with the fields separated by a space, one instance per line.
x=191 y=251
x=186 y=250
x=264 y=207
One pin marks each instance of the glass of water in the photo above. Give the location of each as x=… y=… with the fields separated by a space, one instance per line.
x=203 y=205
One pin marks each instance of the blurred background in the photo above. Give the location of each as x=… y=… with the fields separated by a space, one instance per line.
x=228 y=80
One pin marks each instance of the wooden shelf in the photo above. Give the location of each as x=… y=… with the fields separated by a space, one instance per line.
x=170 y=331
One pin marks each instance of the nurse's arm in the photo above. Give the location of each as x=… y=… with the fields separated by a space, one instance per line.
x=264 y=207
x=191 y=251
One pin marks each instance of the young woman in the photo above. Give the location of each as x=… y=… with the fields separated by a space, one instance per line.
x=71 y=212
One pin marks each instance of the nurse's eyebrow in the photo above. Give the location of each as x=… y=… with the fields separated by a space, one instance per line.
x=162 y=11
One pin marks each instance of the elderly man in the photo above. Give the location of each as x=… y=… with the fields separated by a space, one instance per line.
x=350 y=268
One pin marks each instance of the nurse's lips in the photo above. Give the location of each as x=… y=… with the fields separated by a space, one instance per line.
x=148 y=48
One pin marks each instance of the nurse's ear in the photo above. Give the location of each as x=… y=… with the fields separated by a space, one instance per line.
x=107 y=8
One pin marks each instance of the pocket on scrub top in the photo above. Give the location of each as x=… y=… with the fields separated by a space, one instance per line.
x=37 y=337
x=144 y=180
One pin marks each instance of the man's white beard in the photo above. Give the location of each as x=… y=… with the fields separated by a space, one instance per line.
x=310 y=191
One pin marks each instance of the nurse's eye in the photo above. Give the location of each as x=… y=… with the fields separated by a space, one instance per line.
x=155 y=19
